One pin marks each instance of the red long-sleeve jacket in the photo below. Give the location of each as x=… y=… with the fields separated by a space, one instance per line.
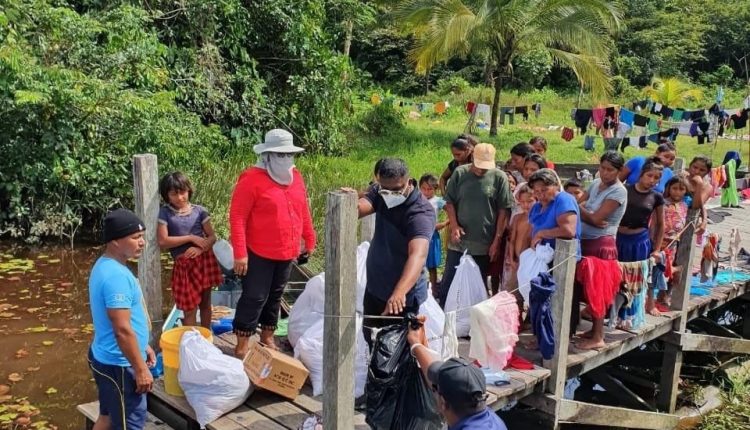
x=268 y=218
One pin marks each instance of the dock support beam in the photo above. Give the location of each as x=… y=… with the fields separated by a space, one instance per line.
x=562 y=304
x=340 y=325
x=146 y=193
x=672 y=361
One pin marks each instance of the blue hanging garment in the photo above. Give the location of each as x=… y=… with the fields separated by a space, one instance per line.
x=540 y=310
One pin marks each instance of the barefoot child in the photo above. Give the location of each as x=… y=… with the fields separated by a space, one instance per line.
x=675 y=216
x=497 y=269
x=634 y=241
x=185 y=229
x=520 y=238
x=428 y=184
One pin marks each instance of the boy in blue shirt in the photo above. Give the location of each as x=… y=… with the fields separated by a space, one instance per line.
x=120 y=355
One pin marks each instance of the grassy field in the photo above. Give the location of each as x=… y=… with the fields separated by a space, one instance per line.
x=424 y=144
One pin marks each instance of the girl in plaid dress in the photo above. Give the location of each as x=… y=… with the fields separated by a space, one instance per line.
x=185 y=229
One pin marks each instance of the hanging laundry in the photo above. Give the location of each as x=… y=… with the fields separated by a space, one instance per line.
x=598 y=115
x=627 y=117
x=622 y=129
x=450 y=339
x=600 y=280
x=540 y=313
x=684 y=127
x=483 y=111
x=494 y=330
x=653 y=138
x=441 y=107
x=653 y=125
x=710 y=258
x=643 y=142
x=522 y=110
x=677 y=115
x=611 y=143
x=670 y=134
x=640 y=121
x=739 y=120
x=693 y=131
x=734 y=246
x=697 y=115
x=729 y=195
x=470 y=106
x=625 y=143
x=567 y=134
x=530 y=263
x=666 y=112
x=656 y=110
x=537 y=108
x=582 y=118
x=506 y=110
x=588 y=143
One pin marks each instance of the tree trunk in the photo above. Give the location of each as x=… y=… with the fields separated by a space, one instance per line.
x=349 y=33
x=496 y=104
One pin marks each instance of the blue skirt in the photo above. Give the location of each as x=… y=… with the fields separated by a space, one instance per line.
x=435 y=254
x=633 y=247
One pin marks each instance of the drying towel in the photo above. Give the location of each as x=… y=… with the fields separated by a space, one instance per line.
x=582 y=118
x=633 y=279
x=601 y=280
x=627 y=117
x=540 y=312
x=567 y=134
x=598 y=115
x=640 y=120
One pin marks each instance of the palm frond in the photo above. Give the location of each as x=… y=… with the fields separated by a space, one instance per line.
x=592 y=72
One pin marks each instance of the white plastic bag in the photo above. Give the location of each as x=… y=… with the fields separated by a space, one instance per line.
x=224 y=254
x=214 y=383
x=309 y=351
x=494 y=330
x=435 y=323
x=467 y=289
x=530 y=263
x=362 y=250
x=310 y=305
x=308 y=308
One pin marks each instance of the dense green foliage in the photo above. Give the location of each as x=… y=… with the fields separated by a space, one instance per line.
x=85 y=84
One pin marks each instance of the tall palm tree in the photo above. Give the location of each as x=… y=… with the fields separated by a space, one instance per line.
x=576 y=33
x=672 y=92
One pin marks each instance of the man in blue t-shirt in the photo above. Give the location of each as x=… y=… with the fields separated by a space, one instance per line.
x=120 y=355
x=460 y=387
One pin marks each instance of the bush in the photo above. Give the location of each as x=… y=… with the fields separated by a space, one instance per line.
x=382 y=119
x=452 y=85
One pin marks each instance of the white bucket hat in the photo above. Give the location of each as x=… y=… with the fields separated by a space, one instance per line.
x=277 y=140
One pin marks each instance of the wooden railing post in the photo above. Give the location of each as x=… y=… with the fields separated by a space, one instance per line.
x=339 y=342
x=367 y=228
x=146 y=193
x=672 y=360
x=562 y=304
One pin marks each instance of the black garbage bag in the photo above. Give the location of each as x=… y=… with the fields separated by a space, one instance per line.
x=397 y=395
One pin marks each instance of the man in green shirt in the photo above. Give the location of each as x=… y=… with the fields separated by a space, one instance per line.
x=478 y=202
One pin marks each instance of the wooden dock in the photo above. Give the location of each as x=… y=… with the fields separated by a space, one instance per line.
x=541 y=387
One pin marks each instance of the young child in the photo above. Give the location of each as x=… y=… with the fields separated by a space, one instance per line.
x=540 y=147
x=428 y=183
x=675 y=217
x=520 y=235
x=634 y=240
x=531 y=164
x=185 y=229
x=700 y=189
x=574 y=187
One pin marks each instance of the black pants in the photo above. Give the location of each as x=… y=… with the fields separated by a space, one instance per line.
x=262 y=288
x=452 y=259
x=372 y=305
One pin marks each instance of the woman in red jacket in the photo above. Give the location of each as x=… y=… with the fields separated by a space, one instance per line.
x=269 y=217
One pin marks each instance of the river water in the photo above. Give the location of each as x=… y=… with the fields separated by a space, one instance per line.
x=45 y=326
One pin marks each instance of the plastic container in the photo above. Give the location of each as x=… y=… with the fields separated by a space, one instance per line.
x=224 y=325
x=158 y=369
x=170 y=347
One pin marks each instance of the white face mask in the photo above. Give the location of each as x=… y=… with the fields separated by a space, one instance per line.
x=393 y=198
x=279 y=167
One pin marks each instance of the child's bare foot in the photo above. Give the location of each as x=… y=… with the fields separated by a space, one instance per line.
x=653 y=311
x=590 y=344
x=624 y=325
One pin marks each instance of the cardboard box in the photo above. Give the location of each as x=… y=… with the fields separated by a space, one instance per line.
x=275 y=371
